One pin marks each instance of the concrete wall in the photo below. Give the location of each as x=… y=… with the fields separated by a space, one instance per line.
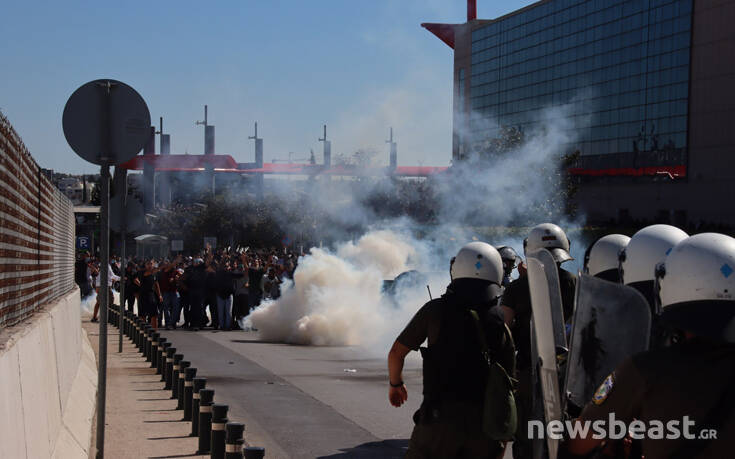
x=48 y=384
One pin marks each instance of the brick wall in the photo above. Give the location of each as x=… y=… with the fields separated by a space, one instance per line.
x=36 y=233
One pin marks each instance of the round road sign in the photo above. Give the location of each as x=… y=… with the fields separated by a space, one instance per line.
x=106 y=122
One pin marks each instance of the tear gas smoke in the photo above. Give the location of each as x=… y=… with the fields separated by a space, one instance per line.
x=87 y=303
x=336 y=297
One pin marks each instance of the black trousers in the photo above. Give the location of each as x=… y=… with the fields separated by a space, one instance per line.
x=211 y=301
x=196 y=308
x=240 y=306
x=130 y=301
x=185 y=305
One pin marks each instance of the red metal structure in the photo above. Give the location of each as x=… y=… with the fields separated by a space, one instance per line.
x=225 y=163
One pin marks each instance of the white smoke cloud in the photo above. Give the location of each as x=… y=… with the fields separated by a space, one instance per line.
x=87 y=303
x=336 y=297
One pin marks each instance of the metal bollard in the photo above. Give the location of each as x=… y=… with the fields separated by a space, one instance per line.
x=154 y=349
x=139 y=334
x=136 y=332
x=164 y=360
x=159 y=352
x=189 y=374
x=199 y=384
x=206 y=397
x=147 y=343
x=234 y=440
x=169 y=367
x=144 y=339
x=254 y=452
x=219 y=419
x=183 y=365
x=175 y=375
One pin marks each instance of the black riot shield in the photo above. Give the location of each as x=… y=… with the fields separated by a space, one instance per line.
x=549 y=334
x=611 y=322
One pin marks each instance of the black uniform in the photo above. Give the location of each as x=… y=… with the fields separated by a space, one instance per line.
x=693 y=378
x=131 y=289
x=449 y=422
x=210 y=297
x=195 y=279
x=147 y=295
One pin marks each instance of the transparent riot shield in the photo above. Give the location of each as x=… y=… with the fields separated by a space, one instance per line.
x=611 y=323
x=549 y=334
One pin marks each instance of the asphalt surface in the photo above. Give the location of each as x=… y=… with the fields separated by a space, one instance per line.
x=304 y=401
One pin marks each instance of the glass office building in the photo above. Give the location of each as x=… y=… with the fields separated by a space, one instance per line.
x=620 y=69
x=646 y=88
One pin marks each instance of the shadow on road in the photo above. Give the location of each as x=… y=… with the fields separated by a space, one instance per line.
x=383 y=449
x=171 y=457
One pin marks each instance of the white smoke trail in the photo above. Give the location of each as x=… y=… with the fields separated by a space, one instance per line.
x=87 y=303
x=336 y=298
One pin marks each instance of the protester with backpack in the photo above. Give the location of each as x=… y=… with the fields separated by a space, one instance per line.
x=468 y=408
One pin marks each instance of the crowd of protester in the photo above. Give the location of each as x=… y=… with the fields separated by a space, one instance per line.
x=226 y=283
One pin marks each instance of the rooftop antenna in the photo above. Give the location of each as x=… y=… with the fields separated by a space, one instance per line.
x=202 y=123
x=327 y=148
x=258 y=147
x=255 y=137
x=165 y=139
x=393 y=151
x=208 y=134
x=160 y=129
x=258 y=162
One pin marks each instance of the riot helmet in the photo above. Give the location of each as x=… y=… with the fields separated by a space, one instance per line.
x=648 y=247
x=510 y=261
x=550 y=237
x=695 y=286
x=478 y=260
x=601 y=258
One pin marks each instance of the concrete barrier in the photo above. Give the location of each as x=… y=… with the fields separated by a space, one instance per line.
x=48 y=382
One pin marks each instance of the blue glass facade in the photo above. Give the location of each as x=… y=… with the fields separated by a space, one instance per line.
x=621 y=67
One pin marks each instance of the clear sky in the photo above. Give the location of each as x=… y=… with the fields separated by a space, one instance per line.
x=358 y=66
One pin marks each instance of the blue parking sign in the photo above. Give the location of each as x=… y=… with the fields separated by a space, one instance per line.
x=83 y=243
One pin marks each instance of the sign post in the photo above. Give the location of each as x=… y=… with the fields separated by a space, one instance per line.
x=106 y=122
x=83 y=243
x=121 y=191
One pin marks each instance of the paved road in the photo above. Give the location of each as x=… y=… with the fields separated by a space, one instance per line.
x=298 y=401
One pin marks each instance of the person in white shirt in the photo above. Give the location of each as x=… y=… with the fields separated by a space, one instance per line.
x=111 y=277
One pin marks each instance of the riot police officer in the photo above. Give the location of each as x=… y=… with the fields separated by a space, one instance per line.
x=678 y=399
x=602 y=257
x=645 y=249
x=510 y=262
x=450 y=420
x=516 y=306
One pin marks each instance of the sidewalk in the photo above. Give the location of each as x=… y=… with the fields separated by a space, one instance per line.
x=142 y=421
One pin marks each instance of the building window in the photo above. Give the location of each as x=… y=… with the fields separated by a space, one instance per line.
x=624 y=67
